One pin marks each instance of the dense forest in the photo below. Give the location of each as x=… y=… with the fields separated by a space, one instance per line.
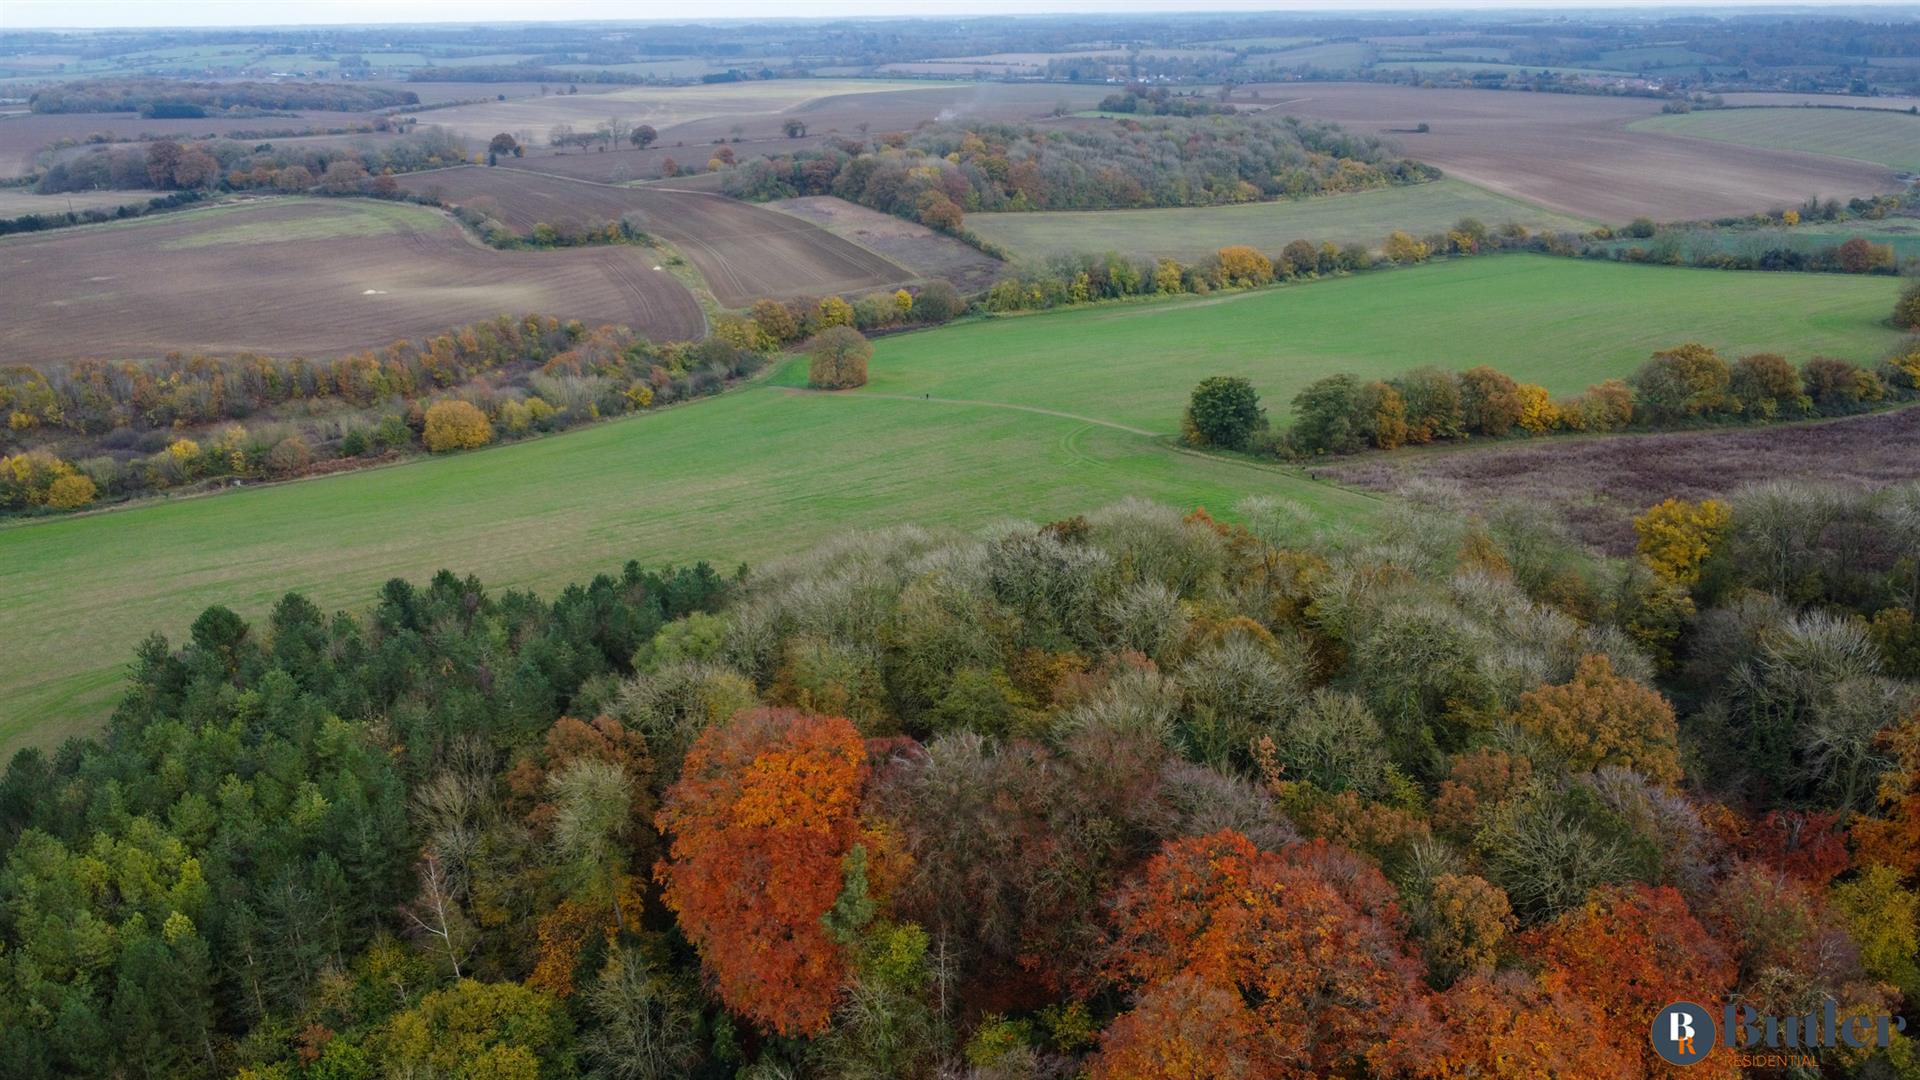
x=939 y=173
x=1121 y=795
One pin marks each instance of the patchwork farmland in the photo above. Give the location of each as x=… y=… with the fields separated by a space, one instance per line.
x=1577 y=154
x=219 y=280
x=744 y=252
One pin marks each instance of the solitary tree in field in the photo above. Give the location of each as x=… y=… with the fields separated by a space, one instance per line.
x=502 y=145
x=1225 y=412
x=838 y=359
x=642 y=136
x=795 y=128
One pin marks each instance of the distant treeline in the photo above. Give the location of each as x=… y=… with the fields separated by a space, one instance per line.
x=171 y=98
x=226 y=164
x=27 y=223
x=939 y=174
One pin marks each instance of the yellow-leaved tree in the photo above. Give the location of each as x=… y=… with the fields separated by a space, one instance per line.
x=1677 y=536
x=456 y=425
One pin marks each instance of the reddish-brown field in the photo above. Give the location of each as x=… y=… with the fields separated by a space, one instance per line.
x=912 y=245
x=1573 y=153
x=24 y=135
x=302 y=276
x=1597 y=484
x=745 y=252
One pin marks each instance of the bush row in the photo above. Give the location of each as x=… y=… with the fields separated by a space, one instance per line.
x=1687 y=385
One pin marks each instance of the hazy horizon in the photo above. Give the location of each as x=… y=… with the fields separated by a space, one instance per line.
x=245 y=14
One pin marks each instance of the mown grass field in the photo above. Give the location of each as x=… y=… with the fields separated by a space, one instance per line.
x=1559 y=322
x=1189 y=232
x=1889 y=138
x=1039 y=416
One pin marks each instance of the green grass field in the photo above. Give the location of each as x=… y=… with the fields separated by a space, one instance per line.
x=1890 y=138
x=1189 y=232
x=1037 y=416
x=1558 y=322
x=1901 y=234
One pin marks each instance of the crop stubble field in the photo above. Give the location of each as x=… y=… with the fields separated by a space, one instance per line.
x=743 y=251
x=1886 y=138
x=1188 y=232
x=1576 y=153
x=1053 y=413
x=288 y=275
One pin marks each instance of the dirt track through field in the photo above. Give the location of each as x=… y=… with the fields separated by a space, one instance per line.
x=1573 y=153
x=745 y=252
x=310 y=277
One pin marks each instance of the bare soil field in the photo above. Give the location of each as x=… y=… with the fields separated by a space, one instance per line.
x=925 y=252
x=26 y=134
x=305 y=276
x=720 y=107
x=1574 y=154
x=745 y=252
x=1597 y=484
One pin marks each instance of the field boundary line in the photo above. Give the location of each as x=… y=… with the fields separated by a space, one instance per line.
x=1114 y=424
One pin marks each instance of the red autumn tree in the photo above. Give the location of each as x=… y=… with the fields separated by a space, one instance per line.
x=1511 y=1027
x=1631 y=952
x=1303 y=944
x=764 y=813
x=1185 y=1027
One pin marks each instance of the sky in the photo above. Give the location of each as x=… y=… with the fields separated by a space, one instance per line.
x=35 y=14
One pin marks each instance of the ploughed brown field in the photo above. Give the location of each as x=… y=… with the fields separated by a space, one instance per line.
x=304 y=276
x=1573 y=153
x=744 y=252
x=1598 y=484
x=24 y=135
x=912 y=245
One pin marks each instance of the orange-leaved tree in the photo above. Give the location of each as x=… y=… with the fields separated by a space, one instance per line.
x=1294 y=957
x=1600 y=718
x=764 y=815
x=1631 y=952
x=1513 y=1027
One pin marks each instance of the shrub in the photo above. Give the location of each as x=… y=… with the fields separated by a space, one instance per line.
x=1765 y=386
x=288 y=456
x=1432 y=398
x=1689 y=380
x=1225 y=412
x=1242 y=265
x=1906 y=311
x=1489 y=401
x=1838 y=386
x=938 y=302
x=70 y=492
x=837 y=359
x=456 y=425
x=1326 y=416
